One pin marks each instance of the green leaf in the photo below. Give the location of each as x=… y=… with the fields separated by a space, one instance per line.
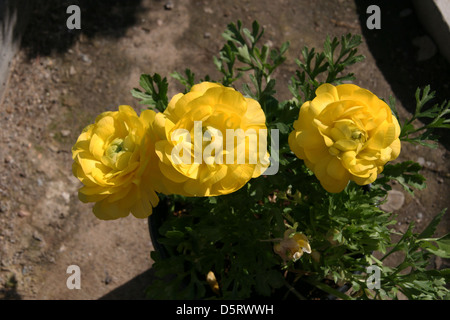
x=244 y=54
x=247 y=91
x=248 y=34
x=439 y=114
x=174 y=234
x=324 y=287
x=146 y=82
x=189 y=80
x=255 y=31
x=155 y=91
x=284 y=128
x=406 y=173
x=443 y=246
x=431 y=228
x=217 y=63
x=284 y=47
x=144 y=97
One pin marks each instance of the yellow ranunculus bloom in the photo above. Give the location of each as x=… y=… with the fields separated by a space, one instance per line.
x=207 y=141
x=345 y=133
x=292 y=246
x=111 y=158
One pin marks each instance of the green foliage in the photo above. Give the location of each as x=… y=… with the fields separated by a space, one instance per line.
x=419 y=282
x=155 y=97
x=406 y=173
x=188 y=80
x=258 y=61
x=336 y=56
x=425 y=132
x=234 y=235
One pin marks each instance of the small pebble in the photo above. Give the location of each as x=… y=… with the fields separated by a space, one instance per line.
x=23 y=213
x=3 y=207
x=9 y=159
x=65 y=133
x=66 y=197
x=107 y=279
x=53 y=148
x=208 y=10
x=25 y=270
x=421 y=161
x=168 y=5
x=395 y=200
x=37 y=236
x=86 y=58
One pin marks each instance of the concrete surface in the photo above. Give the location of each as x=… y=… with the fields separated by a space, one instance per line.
x=13 y=17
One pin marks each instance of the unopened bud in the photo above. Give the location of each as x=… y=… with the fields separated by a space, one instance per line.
x=212 y=281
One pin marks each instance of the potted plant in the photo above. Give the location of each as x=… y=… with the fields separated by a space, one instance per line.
x=249 y=197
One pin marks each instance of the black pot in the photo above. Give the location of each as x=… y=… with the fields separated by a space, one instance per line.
x=155 y=221
x=162 y=211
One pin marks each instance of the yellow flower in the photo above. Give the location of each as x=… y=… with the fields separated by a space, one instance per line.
x=345 y=133
x=207 y=141
x=110 y=158
x=292 y=246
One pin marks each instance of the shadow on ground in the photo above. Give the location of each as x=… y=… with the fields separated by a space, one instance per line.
x=47 y=32
x=405 y=53
x=13 y=11
x=10 y=290
x=133 y=289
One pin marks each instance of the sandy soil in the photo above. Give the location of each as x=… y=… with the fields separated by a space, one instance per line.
x=61 y=80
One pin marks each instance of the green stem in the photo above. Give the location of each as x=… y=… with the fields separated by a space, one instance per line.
x=328 y=289
x=294 y=291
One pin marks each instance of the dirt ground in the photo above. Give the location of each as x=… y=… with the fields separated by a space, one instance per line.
x=61 y=79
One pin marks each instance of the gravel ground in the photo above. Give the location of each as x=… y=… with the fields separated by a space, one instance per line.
x=61 y=80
